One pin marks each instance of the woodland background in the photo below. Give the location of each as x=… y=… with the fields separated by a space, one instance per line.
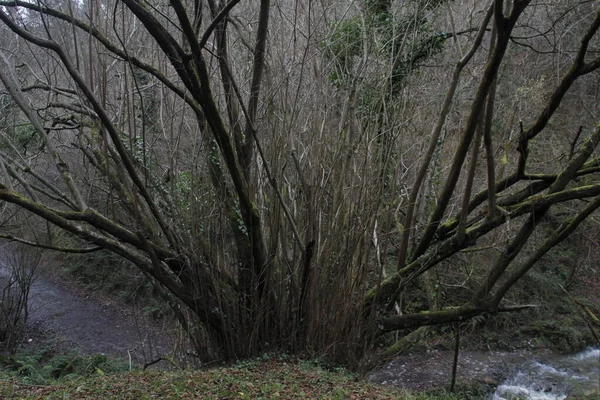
x=319 y=176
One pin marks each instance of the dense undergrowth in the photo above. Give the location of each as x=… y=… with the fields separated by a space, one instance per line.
x=50 y=363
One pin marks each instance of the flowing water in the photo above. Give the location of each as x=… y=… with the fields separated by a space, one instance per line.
x=554 y=378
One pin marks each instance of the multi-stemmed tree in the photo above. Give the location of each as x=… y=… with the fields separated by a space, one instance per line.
x=250 y=159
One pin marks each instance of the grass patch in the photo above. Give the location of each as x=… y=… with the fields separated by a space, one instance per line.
x=272 y=378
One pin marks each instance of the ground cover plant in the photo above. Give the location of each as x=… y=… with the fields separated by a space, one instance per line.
x=266 y=378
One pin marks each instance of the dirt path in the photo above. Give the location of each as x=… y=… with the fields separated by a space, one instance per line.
x=90 y=325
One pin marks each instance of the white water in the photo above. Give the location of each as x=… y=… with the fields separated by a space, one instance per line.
x=554 y=379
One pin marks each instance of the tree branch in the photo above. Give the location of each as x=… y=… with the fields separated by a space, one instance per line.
x=50 y=247
x=447 y=316
x=258 y=67
x=433 y=141
x=216 y=20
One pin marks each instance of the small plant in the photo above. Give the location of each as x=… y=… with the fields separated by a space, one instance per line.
x=46 y=365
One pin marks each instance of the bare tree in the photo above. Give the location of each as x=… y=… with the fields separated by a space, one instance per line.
x=260 y=165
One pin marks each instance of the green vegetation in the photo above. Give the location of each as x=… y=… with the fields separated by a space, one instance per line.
x=265 y=378
x=402 y=43
x=563 y=335
x=48 y=364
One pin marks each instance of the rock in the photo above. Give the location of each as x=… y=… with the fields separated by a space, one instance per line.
x=488 y=380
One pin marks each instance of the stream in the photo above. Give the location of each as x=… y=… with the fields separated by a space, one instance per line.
x=553 y=377
x=519 y=374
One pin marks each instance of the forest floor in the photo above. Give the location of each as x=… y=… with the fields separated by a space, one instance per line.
x=267 y=378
